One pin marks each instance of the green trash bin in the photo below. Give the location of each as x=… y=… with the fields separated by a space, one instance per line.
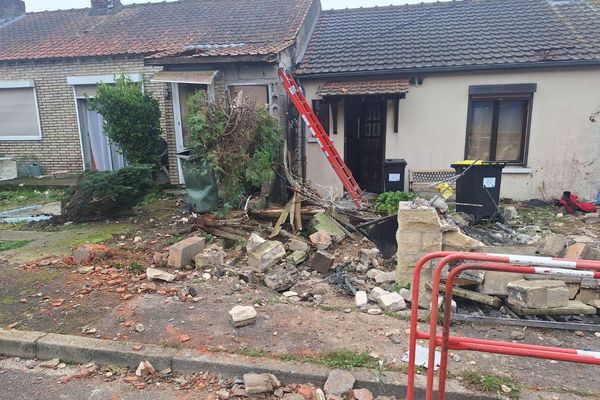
x=200 y=183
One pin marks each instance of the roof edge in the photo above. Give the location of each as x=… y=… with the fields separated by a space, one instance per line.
x=468 y=68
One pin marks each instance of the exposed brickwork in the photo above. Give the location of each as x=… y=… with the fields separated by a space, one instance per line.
x=60 y=149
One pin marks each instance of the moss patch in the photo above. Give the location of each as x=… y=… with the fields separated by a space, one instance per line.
x=12 y=199
x=503 y=385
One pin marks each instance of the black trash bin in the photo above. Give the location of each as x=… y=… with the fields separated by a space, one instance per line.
x=393 y=172
x=478 y=190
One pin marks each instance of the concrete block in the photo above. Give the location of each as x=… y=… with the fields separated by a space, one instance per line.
x=458 y=241
x=322 y=262
x=210 y=257
x=538 y=294
x=265 y=255
x=391 y=302
x=588 y=295
x=582 y=251
x=339 y=383
x=242 y=315
x=19 y=343
x=376 y=293
x=260 y=383
x=555 y=245
x=360 y=299
x=182 y=253
x=495 y=282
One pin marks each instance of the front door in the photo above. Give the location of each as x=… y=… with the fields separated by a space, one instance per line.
x=365 y=142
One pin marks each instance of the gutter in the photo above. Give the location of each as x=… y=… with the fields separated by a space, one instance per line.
x=473 y=68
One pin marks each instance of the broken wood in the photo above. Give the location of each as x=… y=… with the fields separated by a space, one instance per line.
x=223 y=234
x=276 y=212
x=282 y=217
x=491 y=301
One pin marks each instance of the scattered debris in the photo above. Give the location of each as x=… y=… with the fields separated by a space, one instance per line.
x=265 y=254
x=89 y=252
x=322 y=262
x=182 y=253
x=158 y=274
x=242 y=316
x=282 y=277
x=260 y=383
x=210 y=257
x=145 y=369
x=338 y=383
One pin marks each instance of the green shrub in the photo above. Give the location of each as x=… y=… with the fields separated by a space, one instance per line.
x=102 y=195
x=387 y=203
x=131 y=119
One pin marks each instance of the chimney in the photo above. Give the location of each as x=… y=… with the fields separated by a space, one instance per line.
x=103 y=7
x=11 y=8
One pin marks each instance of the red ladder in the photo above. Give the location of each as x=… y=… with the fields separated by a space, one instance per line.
x=317 y=131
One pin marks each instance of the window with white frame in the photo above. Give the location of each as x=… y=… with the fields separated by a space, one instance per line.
x=19 y=116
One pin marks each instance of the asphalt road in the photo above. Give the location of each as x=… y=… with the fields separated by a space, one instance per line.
x=17 y=382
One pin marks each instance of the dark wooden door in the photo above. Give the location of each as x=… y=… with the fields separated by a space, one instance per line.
x=365 y=143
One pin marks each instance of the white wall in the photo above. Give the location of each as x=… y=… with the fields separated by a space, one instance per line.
x=563 y=146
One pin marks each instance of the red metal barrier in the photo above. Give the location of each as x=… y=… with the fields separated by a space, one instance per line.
x=545 y=265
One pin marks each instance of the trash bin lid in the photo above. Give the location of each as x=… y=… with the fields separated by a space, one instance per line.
x=466 y=163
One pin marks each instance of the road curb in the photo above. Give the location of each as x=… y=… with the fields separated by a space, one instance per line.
x=79 y=349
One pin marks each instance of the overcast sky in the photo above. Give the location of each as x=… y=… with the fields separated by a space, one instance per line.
x=41 y=5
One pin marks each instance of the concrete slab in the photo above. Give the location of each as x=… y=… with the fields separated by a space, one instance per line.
x=573 y=308
x=82 y=350
x=19 y=343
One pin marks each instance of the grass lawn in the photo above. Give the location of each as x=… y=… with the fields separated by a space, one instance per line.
x=12 y=199
x=6 y=245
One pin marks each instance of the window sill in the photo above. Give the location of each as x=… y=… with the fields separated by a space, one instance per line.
x=19 y=138
x=517 y=170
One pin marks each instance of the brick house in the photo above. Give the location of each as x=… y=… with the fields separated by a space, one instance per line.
x=433 y=83
x=50 y=61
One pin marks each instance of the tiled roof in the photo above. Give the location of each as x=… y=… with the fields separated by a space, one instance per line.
x=454 y=35
x=201 y=27
x=364 y=87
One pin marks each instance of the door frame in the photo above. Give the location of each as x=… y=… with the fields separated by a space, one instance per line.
x=178 y=123
x=356 y=103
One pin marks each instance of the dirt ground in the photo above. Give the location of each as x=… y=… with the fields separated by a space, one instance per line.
x=113 y=300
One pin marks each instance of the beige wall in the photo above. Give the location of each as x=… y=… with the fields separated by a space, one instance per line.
x=563 y=146
x=59 y=149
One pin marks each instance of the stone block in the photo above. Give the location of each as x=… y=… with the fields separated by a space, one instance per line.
x=385 y=277
x=582 y=251
x=376 y=293
x=509 y=213
x=321 y=239
x=360 y=299
x=260 y=383
x=458 y=241
x=573 y=307
x=297 y=257
x=242 y=315
x=297 y=245
x=588 y=295
x=554 y=246
x=417 y=219
x=282 y=278
x=323 y=222
x=322 y=262
x=538 y=293
x=88 y=252
x=339 y=383
x=495 y=282
x=391 y=302
x=182 y=253
x=160 y=275
x=265 y=255
x=210 y=257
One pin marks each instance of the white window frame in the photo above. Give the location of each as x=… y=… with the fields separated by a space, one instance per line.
x=88 y=80
x=24 y=85
x=268 y=84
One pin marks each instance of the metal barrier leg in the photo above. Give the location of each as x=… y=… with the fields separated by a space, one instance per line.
x=414 y=316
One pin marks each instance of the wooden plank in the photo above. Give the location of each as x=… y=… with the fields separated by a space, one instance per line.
x=282 y=217
x=471 y=295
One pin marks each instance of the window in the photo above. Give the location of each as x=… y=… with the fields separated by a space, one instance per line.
x=19 y=119
x=498 y=123
x=321 y=110
x=258 y=93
